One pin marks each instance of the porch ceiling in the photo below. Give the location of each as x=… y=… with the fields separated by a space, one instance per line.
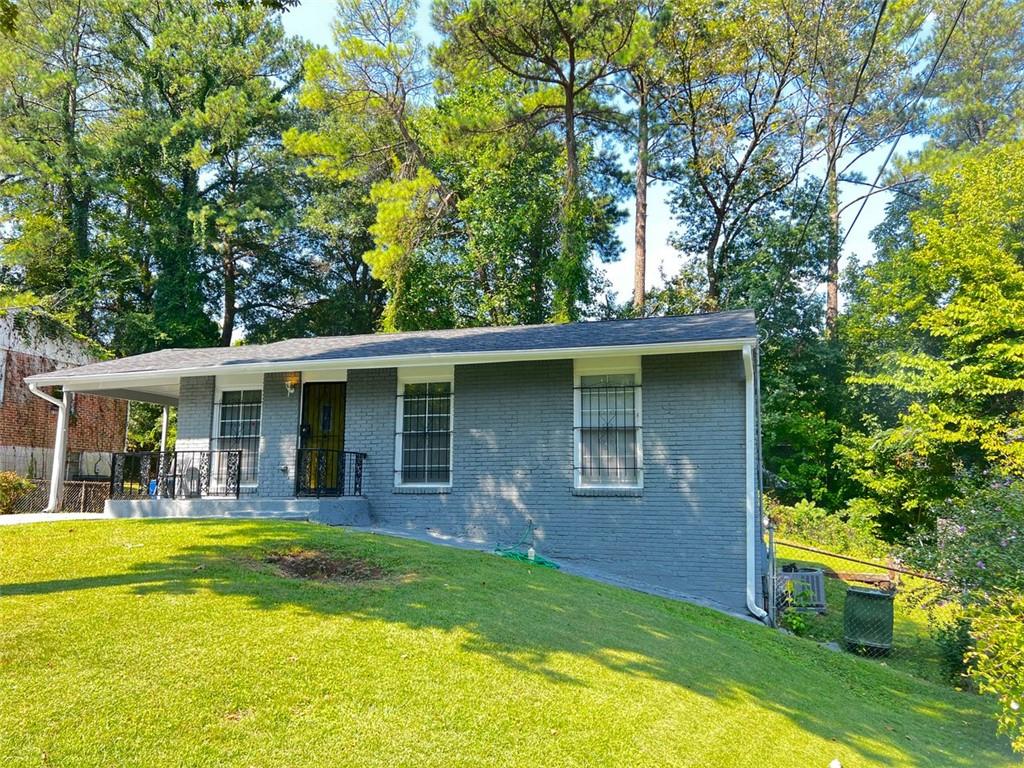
x=164 y=394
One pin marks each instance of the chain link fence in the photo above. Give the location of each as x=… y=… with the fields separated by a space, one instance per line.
x=878 y=611
x=79 y=496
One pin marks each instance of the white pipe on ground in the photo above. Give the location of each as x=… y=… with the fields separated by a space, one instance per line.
x=751 y=483
x=60 y=445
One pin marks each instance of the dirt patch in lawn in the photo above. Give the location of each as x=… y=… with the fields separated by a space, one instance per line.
x=314 y=565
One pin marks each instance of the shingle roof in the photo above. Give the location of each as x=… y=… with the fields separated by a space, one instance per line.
x=719 y=326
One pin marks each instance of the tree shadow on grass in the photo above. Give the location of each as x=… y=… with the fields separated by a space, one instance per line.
x=526 y=617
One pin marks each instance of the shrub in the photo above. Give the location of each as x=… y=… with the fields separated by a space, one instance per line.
x=795 y=622
x=977 y=546
x=12 y=486
x=954 y=640
x=852 y=531
x=997 y=661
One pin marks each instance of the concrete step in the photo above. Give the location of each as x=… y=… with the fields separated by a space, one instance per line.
x=331 y=511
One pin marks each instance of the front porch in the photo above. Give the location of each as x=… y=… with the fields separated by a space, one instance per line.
x=328 y=486
x=224 y=474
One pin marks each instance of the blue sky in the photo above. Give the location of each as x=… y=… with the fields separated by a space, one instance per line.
x=312 y=20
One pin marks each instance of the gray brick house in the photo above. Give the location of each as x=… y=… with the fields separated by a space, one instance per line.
x=632 y=446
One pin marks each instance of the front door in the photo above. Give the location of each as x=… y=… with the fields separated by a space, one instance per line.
x=322 y=432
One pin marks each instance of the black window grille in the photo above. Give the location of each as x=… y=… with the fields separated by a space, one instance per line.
x=425 y=439
x=608 y=435
x=237 y=419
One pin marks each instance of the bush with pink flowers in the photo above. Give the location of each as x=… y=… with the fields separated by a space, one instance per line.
x=977 y=547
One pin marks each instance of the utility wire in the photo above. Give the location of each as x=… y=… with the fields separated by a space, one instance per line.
x=860 y=73
x=910 y=112
x=842 y=123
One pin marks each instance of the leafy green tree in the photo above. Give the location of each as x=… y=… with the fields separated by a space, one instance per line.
x=777 y=261
x=976 y=548
x=249 y=210
x=366 y=99
x=567 y=54
x=648 y=88
x=856 y=84
x=976 y=93
x=506 y=176
x=738 y=129
x=949 y=309
x=319 y=286
x=201 y=102
x=464 y=196
x=52 y=94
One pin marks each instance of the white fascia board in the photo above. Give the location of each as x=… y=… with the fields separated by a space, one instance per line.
x=393 y=361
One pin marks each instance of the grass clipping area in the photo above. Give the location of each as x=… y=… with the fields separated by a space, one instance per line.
x=152 y=643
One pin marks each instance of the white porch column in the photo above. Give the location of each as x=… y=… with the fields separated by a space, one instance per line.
x=60 y=454
x=163 y=429
x=60 y=445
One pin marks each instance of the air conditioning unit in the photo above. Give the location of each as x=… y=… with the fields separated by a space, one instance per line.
x=801 y=588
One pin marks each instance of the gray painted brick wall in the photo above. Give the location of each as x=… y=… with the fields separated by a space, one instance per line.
x=195 y=413
x=513 y=449
x=278 y=437
x=512 y=461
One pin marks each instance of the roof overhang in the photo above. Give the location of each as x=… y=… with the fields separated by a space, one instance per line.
x=163 y=384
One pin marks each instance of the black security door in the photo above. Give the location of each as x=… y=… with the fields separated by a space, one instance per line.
x=322 y=432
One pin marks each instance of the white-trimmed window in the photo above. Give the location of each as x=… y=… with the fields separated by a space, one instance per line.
x=608 y=424
x=238 y=417
x=423 y=432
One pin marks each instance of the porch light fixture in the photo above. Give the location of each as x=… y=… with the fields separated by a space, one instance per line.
x=291 y=381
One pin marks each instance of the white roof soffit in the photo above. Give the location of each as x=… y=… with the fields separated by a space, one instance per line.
x=129 y=379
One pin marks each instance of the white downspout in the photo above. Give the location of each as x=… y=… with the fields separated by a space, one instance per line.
x=751 y=484
x=60 y=445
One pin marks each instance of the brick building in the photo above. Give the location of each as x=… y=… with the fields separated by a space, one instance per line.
x=27 y=423
x=627 y=448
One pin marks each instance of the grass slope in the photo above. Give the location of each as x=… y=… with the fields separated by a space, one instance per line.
x=157 y=643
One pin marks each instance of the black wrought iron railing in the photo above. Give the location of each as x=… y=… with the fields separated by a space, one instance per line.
x=326 y=472
x=175 y=474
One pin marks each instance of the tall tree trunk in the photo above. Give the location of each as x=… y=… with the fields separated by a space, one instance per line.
x=832 y=276
x=230 y=293
x=571 y=161
x=178 y=301
x=568 y=274
x=640 y=230
x=77 y=194
x=714 y=297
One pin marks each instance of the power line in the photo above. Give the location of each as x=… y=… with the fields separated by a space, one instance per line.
x=910 y=112
x=842 y=123
x=860 y=73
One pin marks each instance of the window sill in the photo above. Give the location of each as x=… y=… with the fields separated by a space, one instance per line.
x=599 y=491
x=422 y=489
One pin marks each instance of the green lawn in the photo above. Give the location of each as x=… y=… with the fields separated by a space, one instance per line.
x=156 y=643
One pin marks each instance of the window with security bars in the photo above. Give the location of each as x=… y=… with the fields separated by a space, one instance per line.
x=238 y=416
x=608 y=431
x=425 y=439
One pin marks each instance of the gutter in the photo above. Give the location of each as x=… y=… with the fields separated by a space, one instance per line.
x=60 y=444
x=751 y=483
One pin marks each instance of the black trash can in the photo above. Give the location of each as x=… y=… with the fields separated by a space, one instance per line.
x=867 y=620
